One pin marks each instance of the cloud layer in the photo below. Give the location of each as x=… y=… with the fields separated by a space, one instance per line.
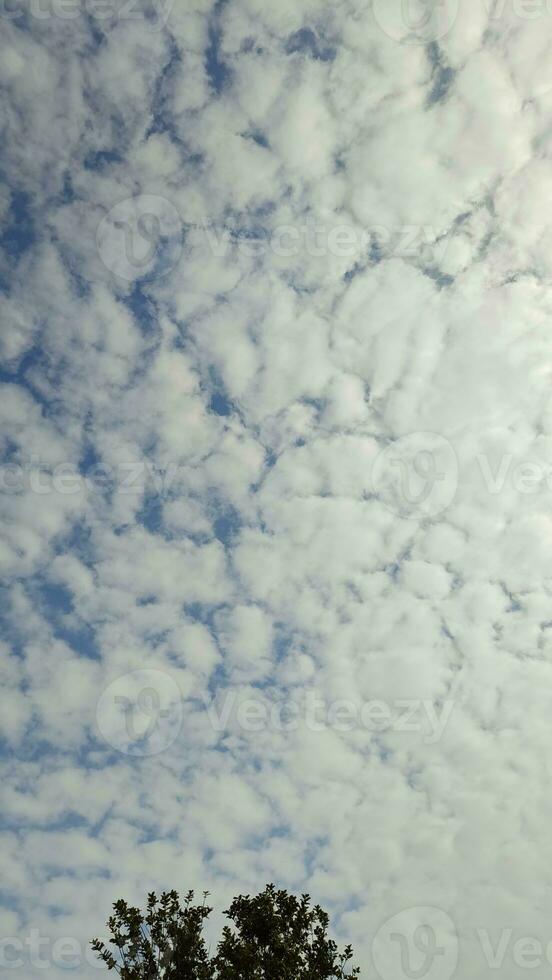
x=277 y=467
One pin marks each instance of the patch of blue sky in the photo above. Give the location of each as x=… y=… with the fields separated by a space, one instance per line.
x=218 y=71
x=143 y=308
x=227 y=526
x=442 y=75
x=308 y=42
x=55 y=604
x=162 y=119
x=19 y=229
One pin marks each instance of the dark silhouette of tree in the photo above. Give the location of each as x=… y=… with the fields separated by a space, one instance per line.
x=273 y=936
x=277 y=936
x=166 y=942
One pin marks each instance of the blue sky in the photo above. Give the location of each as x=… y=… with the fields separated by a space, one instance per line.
x=275 y=477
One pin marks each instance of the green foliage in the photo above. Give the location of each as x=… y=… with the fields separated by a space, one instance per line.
x=273 y=936
x=278 y=937
x=166 y=942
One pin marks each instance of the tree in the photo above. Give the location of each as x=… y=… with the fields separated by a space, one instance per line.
x=273 y=936
x=278 y=937
x=165 y=942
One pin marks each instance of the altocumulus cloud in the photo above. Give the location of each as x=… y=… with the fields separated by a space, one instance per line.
x=276 y=469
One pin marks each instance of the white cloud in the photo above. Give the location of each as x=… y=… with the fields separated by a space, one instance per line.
x=221 y=424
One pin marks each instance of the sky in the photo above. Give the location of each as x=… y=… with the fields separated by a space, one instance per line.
x=276 y=471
